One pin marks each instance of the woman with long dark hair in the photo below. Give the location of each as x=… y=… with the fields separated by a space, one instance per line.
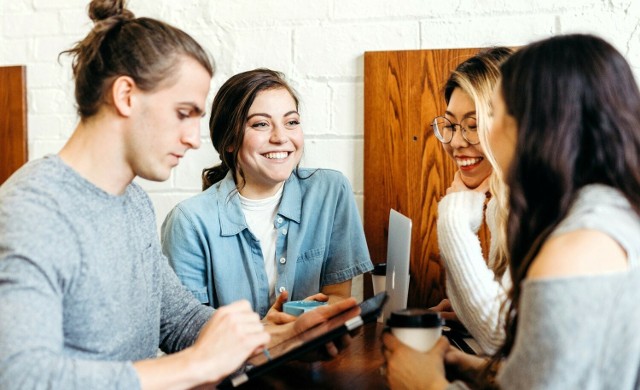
x=566 y=132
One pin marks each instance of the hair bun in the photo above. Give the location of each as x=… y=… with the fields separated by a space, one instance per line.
x=104 y=9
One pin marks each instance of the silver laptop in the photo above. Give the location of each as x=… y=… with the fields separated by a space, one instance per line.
x=398 y=255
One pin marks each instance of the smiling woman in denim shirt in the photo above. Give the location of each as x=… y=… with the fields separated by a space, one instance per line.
x=265 y=229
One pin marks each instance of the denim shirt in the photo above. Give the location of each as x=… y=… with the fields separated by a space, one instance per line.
x=320 y=241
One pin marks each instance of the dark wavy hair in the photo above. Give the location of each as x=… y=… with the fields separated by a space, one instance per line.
x=145 y=49
x=577 y=109
x=229 y=115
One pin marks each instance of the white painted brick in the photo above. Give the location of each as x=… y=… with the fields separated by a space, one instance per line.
x=506 y=7
x=164 y=203
x=39 y=148
x=271 y=13
x=188 y=173
x=617 y=29
x=49 y=74
x=405 y=9
x=314 y=108
x=76 y=22
x=344 y=155
x=16 y=51
x=47 y=49
x=60 y=4
x=19 y=6
x=31 y=24
x=633 y=52
x=336 y=50
x=465 y=32
x=347 y=108
x=43 y=127
x=50 y=101
x=246 y=49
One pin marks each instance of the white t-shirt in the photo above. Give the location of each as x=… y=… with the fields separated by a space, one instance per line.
x=260 y=215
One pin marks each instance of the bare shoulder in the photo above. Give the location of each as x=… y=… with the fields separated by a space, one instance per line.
x=578 y=253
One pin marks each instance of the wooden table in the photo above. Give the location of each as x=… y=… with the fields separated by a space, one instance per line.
x=357 y=367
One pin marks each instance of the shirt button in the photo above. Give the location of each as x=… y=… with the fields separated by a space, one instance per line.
x=284 y=232
x=283 y=260
x=279 y=219
x=282 y=289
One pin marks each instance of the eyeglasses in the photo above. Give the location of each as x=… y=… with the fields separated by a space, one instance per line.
x=443 y=129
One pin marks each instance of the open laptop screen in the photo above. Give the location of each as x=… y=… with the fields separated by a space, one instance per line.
x=398 y=255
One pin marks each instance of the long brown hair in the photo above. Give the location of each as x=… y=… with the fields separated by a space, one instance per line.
x=119 y=44
x=577 y=107
x=228 y=117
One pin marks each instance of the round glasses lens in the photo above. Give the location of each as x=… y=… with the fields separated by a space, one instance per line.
x=470 y=130
x=443 y=129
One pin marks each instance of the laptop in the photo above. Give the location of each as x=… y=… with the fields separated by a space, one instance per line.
x=397 y=280
x=398 y=259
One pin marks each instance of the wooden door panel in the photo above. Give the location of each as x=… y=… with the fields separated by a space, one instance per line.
x=13 y=120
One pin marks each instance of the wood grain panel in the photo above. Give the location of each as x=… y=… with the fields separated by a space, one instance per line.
x=13 y=120
x=405 y=166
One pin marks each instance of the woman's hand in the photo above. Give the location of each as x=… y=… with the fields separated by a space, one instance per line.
x=310 y=319
x=276 y=316
x=445 y=309
x=410 y=369
x=463 y=365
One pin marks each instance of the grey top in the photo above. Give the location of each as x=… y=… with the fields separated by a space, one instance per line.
x=582 y=332
x=84 y=287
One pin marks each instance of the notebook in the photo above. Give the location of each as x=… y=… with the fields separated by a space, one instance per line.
x=308 y=341
x=398 y=256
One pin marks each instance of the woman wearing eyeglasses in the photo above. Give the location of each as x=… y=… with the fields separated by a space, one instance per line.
x=475 y=286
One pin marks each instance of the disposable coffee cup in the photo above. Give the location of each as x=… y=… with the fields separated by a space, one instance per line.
x=379 y=277
x=417 y=328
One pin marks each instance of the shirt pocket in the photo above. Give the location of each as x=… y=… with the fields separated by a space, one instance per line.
x=312 y=256
x=309 y=266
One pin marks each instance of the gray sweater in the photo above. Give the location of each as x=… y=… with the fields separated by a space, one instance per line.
x=581 y=332
x=84 y=287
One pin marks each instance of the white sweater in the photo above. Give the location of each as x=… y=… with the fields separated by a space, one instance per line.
x=475 y=294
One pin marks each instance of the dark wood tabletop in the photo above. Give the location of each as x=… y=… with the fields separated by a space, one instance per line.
x=356 y=367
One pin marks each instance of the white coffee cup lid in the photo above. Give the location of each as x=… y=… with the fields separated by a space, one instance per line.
x=415 y=318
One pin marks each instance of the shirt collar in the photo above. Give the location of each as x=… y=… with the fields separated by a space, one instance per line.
x=232 y=220
x=291 y=204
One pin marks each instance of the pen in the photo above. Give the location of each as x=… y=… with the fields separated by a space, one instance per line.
x=267 y=354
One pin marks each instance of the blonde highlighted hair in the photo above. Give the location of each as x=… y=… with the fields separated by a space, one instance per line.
x=477 y=77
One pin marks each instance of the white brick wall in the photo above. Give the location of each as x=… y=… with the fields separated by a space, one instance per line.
x=319 y=44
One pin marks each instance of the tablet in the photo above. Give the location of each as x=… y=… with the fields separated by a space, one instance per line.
x=308 y=341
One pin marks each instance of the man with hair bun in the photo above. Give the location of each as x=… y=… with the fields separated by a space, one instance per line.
x=87 y=296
